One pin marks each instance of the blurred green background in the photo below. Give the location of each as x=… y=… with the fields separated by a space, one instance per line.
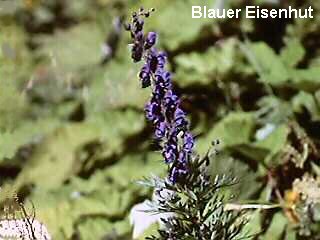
x=73 y=137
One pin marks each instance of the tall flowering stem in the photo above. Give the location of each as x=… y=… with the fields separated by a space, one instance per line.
x=191 y=197
x=164 y=108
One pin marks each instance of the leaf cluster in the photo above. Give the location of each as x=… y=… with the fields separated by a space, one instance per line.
x=196 y=205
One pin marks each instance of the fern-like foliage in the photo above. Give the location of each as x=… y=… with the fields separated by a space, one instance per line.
x=196 y=205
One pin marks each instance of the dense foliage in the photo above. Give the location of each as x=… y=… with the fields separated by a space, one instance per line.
x=73 y=138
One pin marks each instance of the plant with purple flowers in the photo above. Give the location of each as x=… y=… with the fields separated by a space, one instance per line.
x=189 y=192
x=163 y=110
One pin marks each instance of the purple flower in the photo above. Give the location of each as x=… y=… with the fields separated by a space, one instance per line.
x=161 y=59
x=172 y=136
x=138 y=38
x=163 y=79
x=144 y=76
x=180 y=118
x=150 y=40
x=137 y=51
x=152 y=59
x=159 y=92
x=170 y=153
x=173 y=174
x=136 y=28
x=188 y=142
x=153 y=110
x=160 y=130
x=177 y=172
x=171 y=100
x=164 y=109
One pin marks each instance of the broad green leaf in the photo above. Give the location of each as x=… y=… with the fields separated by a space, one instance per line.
x=106 y=195
x=113 y=128
x=247 y=183
x=13 y=106
x=217 y=62
x=267 y=64
x=292 y=53
x=278 y=71
x=56 y=152
x=274 y=143
x=273 y=110
x=290 y=234
x=61 y=210
x=132 y=168
x=240 y=123
x=75 y=48
x=61 y=149
x=276 y=228
x=306 y=100
x=15 y=57
x=94 y=228
x=117 y=85
x=306 y=79
x=28 y=133
x=254 y=225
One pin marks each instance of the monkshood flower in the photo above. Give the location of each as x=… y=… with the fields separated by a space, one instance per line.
x=188 y=204
x=163 y=109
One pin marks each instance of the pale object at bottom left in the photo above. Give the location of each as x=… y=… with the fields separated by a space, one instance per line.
x=26 y=229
